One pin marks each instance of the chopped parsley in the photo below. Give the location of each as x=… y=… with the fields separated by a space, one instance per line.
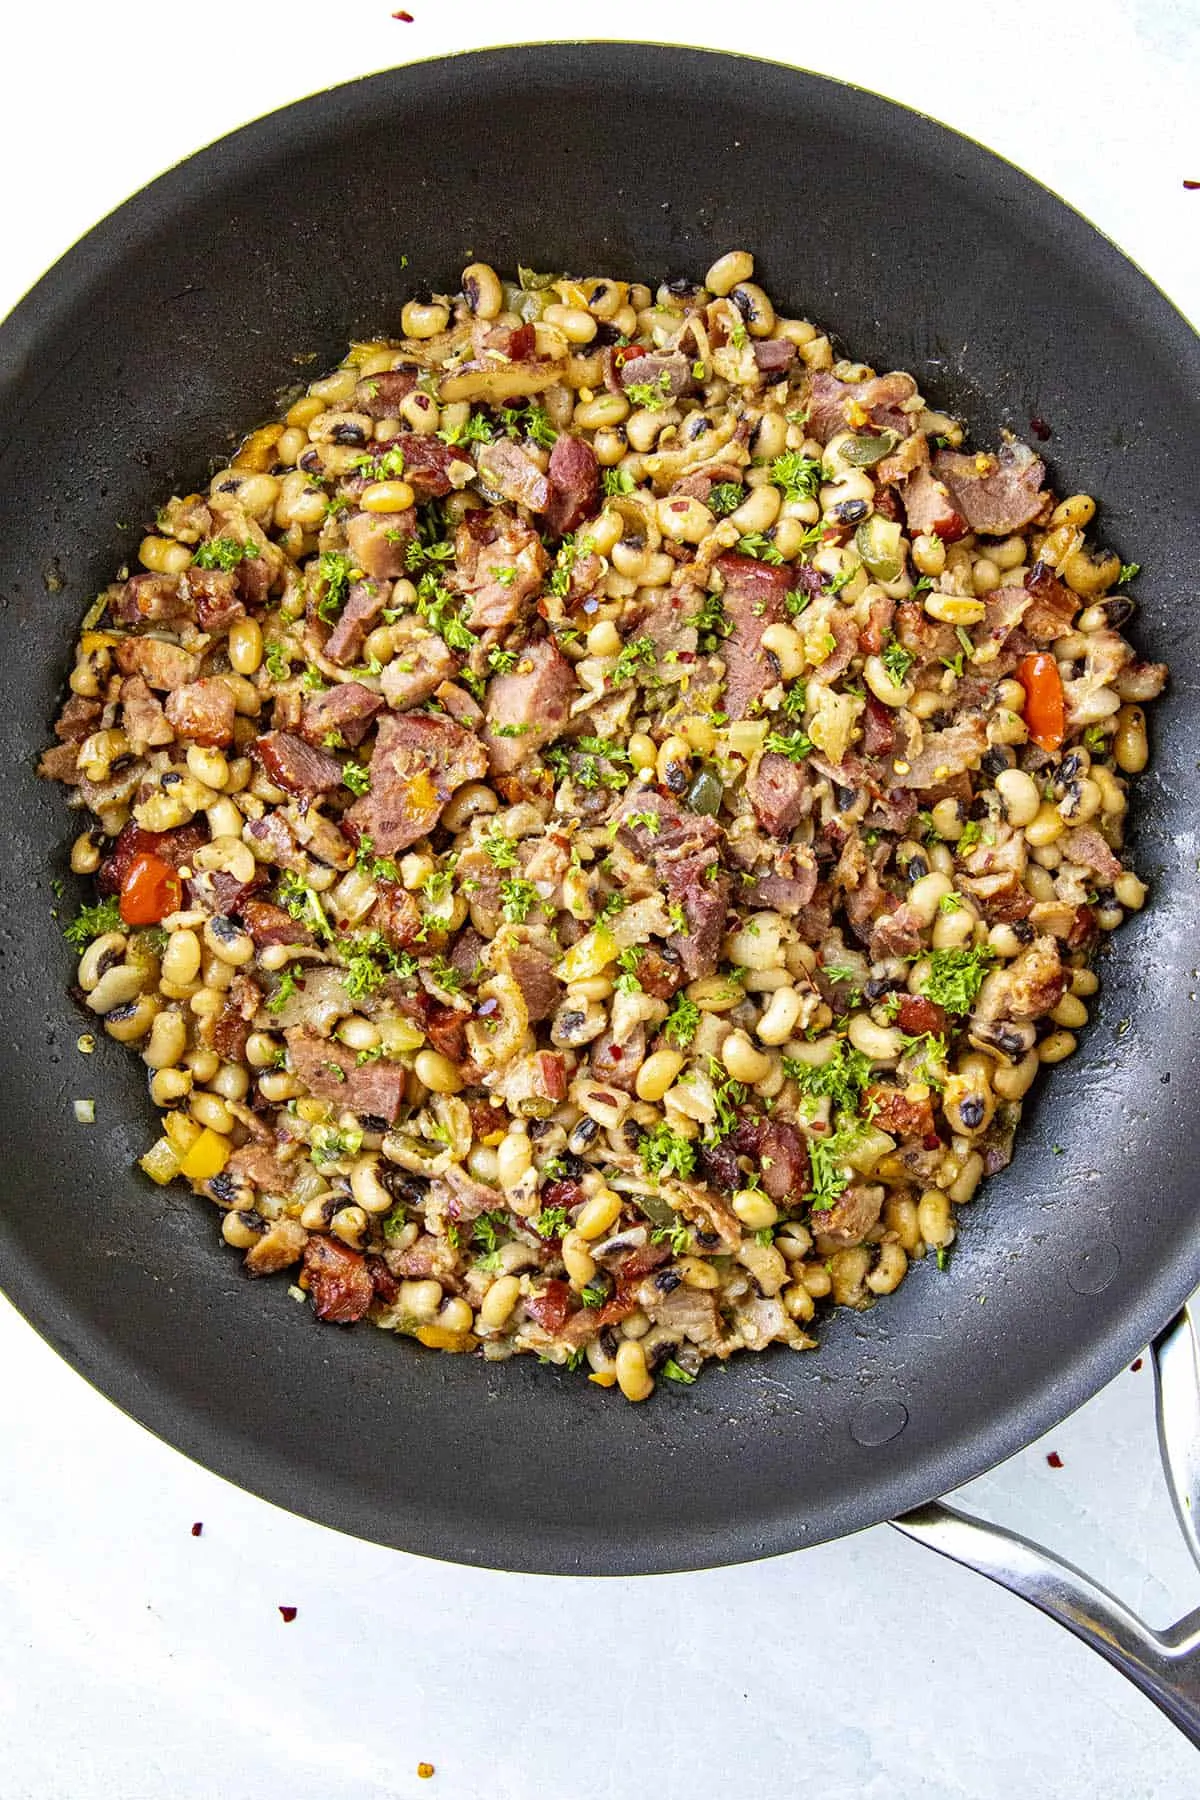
x=956 y=976
x=664 y=1152
x=551 y=1222
x=710 y=621
x=501 y=849
x=677 y=1236
x=673 y=1372
x=950 y=903
x=356 y=776
x=627 y=981
x=370 y=960
x=827 y=1157
x=739 y=337
x=1128 y=571
x=799 y=476
x=335 y=1143
x=971 y=833
x=842 y=1079
x=379 y=868
x=474 y=430
x=617 y=481
x=517 y=897
x=896 y=660
x=531 y=421
x=725 y=497
x=334 y=568
x=388 y=467
x=288 y=983
x=760 y=547
x=304 y=903
x=502 y=662
x=275 y=661
x=437 y=606
x=652 y=396
x=729 y=1095
x=638 y=651
x=793 y=744
x=93 y=921
x=682 y=1022
x=223 y=553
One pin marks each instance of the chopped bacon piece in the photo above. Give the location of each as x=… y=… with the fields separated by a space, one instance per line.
x=340 y=1284
x=295 y=766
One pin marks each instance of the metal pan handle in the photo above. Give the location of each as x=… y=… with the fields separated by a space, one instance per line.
x=1164 y=1664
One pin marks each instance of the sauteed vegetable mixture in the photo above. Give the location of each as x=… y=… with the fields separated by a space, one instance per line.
x=600 y=813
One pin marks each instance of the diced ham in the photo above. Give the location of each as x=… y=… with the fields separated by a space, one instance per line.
x=534 y=974
x=364 y=606
x=668 y=371
x=684 y=854
x=527 y=707
x=417 y=763
x=80 y=717
x=331 y=1071
x=879 y=728
x=923 y=637
x=203 y=711
x=754 y=597
x=338 y=1280
x=551 y=1307
x=909 y=456
x=417 y=671
x=844 y=633
x=574 y=476
x=789 y=893
x=896 y=933
x=918 y=1017
x=901 y=1112
x=460 y=705
x=995 y=494
x=774 y=357
x=508 y=471
x=282 y=1244
x=1050 y=612
x=849 y=1219
x=830 y=402
x=428 y=463
x=150 y=600
x=780 y=1153
x=659 y=971
x=146 y=724
x=945 y=753
x=253 y=577
x=162 y=666
x=1028 y=987
x=295 y=766
x=380 y=395
x=874 y=634
x=1085 y=846
x=213 y=595
x=617 y=1065
x=260 y=1167
x=397 y=915
x=499 y=563
x=379 y=542
x=343 y=712
x=929 y=508
x=780 y=792
x=269 y=924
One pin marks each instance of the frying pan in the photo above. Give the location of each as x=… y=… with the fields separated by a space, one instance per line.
x=178 y=323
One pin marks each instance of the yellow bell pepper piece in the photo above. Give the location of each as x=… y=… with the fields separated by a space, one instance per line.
x=181 y=1130
x=589 y=956
x=438 y=1337
x=160 y=1162
x=207 y=1156
x=256 y=451
x=604 y=1378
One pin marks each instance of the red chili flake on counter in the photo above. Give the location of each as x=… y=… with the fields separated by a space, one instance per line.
x=405 y=18
x=1134 y=1367
x=197 y=1528
x=1055 y=1460
x=1192 y=184
x=1040 y=429
x=287 y=1614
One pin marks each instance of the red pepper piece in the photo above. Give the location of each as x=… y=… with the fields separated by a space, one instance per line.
x=1045 y=706
x=151 y=889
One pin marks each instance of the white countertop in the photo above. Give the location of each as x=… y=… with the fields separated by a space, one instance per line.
x=138 y=1662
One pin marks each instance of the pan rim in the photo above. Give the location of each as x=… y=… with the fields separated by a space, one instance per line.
x=204 y=1437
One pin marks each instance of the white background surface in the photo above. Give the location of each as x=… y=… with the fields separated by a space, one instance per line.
x=138 y=1662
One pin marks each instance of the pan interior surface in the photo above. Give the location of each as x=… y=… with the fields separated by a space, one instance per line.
x=174 y=327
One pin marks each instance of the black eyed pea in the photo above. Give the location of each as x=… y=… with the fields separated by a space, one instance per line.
x=633 y=1377
x=758 y=511
x=900 y=1218
x=1130 y=891
x=755 y=307
x=368 y=1191
x=779 y=1020
x=1019 y=792
x=684 y=519
x=933 y=1219
x=85 y=854
x=818 y=1279
x=787 y=647
x=243 y=1229
x=967 y=1101
x=578 y=1260
x=229 y=942
x=882 y=1043
x=163 y=556
x=423 y=319
x=657 y=1074
x=798 y=1302
x=167 y=1042
x=456 y=1316
x=130 y=1022
x=849 y=1270
x=1070 y=1012
x=210 y=1111
x=1131 y=750
x=886 y=690
x=889 y=1271
x=926 y=896
x=497 y=1304
x=116 y=987
x=728 y=271
x=169 y=1085
x=598 y=1215
x=755 y=1211
x=482 y=290
x=743 y=1061
x=349 y=1224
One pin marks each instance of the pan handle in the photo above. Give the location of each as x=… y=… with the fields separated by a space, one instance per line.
x=1164 y=1664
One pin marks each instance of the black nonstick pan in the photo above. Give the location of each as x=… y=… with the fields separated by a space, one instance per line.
x=173 y=327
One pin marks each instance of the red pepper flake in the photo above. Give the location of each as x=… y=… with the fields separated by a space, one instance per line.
x=1055 y=1460
x=287 y=1614
x=1192 y=184
x=405 y=18
x=424 y=1770
x=1134 y=1367
x=1040 y=429
x=197 y=1528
